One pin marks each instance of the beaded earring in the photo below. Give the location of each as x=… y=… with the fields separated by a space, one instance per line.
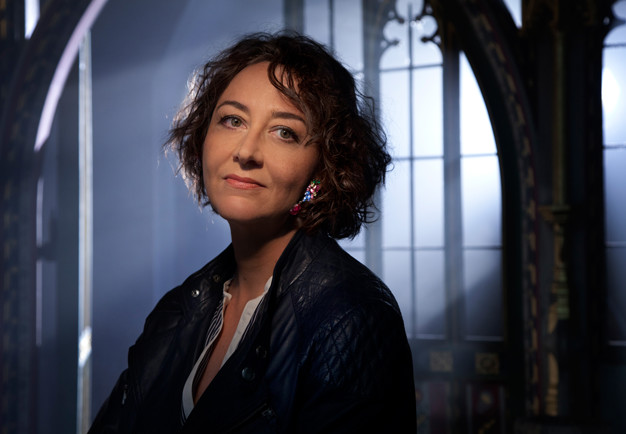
x=310 y=193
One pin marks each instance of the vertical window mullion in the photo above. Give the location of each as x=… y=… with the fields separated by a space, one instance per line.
x=614 y=156
x=452 y=184
x=85 y=238
x=412 y=244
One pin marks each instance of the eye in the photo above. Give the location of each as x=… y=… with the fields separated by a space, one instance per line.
x=231 y=121
x=287 y=134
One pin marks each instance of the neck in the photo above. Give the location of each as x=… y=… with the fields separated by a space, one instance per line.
x=256 y=254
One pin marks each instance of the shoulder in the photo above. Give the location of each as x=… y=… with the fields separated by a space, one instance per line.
x=191 y=296
x=334 y=282
x=349 y=322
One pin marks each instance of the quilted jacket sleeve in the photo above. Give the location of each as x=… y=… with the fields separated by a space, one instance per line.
x=359 y=375
x=119 y=412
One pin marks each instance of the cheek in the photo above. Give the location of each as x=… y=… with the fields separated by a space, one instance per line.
x=204 y=162
x=208 y=155
x=207 y=169
x=298 y=178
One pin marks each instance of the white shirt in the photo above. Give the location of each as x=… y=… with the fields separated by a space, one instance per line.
x=214 y=330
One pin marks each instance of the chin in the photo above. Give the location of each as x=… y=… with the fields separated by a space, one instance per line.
x=240 y=214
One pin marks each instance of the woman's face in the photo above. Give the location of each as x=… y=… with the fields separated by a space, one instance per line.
x=255 y=163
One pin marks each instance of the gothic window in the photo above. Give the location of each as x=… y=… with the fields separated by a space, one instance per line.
x=439 y=237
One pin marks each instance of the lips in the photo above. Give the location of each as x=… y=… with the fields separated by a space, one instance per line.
x=242 y=182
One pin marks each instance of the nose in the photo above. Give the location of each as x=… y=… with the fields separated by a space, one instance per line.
x=248 y=152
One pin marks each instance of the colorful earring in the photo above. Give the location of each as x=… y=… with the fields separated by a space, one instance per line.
x=310 y=193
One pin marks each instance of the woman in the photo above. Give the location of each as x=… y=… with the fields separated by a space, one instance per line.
x=283 y=331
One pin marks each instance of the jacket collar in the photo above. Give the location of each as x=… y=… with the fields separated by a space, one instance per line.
x=295 y=259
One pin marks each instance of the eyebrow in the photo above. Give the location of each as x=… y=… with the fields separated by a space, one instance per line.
x=275 y=114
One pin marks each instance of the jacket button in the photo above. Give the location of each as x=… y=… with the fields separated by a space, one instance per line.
x=195 y=293
x=261 y=352
x=248 y=374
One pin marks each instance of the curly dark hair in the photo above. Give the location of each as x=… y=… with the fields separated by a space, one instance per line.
x=341 y=121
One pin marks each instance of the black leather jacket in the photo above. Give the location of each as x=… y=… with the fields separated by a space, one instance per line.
x=327 y=353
